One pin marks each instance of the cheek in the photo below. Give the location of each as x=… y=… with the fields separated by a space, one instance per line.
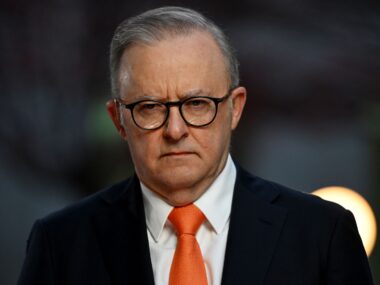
x=213 y=141
x=143 y=147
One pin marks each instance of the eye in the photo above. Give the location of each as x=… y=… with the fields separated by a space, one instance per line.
x=197 y=103
x=149 y=107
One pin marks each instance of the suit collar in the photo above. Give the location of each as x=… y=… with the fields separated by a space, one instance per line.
x=255 y=227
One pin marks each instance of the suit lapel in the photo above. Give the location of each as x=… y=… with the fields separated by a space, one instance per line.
x=120 y=229
x=255 y=226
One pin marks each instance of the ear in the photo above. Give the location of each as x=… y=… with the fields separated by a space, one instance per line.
x=239 y=97
x=114 y=113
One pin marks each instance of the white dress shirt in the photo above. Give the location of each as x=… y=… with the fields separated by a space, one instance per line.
x=215 y=204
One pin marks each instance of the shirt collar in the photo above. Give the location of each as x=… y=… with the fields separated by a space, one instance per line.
x=156 y=211
x=215 y=203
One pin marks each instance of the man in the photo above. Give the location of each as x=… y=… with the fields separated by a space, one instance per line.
x=189 y=215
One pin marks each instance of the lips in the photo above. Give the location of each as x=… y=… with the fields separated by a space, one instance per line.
x=177 y=153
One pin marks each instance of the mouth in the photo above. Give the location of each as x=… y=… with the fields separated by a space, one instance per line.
x=177 y=154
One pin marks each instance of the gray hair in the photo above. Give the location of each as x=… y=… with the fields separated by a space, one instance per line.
x=155 y=25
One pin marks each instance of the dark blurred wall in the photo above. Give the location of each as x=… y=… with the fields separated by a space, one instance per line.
x=312 y=69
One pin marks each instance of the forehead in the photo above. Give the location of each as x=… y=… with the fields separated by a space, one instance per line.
x=175 y=64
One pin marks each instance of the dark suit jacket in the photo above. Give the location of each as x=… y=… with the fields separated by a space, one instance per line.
x=276 y=236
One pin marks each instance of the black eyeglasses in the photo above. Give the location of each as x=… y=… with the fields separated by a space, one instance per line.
x=197 y=111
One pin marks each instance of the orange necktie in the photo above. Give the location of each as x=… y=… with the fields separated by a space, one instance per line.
x=187 y=266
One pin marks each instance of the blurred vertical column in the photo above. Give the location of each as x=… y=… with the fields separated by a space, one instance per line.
x=43 y=86
x=371 y=116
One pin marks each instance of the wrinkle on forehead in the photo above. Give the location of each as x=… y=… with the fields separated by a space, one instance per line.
x=174 y=66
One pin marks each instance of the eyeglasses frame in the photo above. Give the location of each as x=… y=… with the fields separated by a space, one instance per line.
x=169 y=104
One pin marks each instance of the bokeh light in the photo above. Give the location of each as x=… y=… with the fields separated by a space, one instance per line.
x=364 y=215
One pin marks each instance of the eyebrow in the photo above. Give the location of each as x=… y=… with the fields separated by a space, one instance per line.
x=196 y=92
x=191 y=93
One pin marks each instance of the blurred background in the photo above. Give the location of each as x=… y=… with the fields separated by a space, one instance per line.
x=312 y=70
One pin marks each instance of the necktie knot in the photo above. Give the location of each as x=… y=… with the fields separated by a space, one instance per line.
x=187 y=219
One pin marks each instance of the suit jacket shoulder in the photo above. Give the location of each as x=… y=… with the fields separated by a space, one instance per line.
x=83 y=209
x=292 y=237
x=101 y=239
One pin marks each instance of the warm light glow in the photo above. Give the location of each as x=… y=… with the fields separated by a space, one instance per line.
x=364 y=216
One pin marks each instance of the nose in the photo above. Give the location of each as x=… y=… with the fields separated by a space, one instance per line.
x=175 y=127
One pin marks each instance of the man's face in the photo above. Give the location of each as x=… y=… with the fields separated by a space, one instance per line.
x=177 y=161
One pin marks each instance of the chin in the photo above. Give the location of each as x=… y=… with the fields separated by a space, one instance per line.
x=182 y=177
x=178 y=179
x=179 y=186
x=181 y=195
